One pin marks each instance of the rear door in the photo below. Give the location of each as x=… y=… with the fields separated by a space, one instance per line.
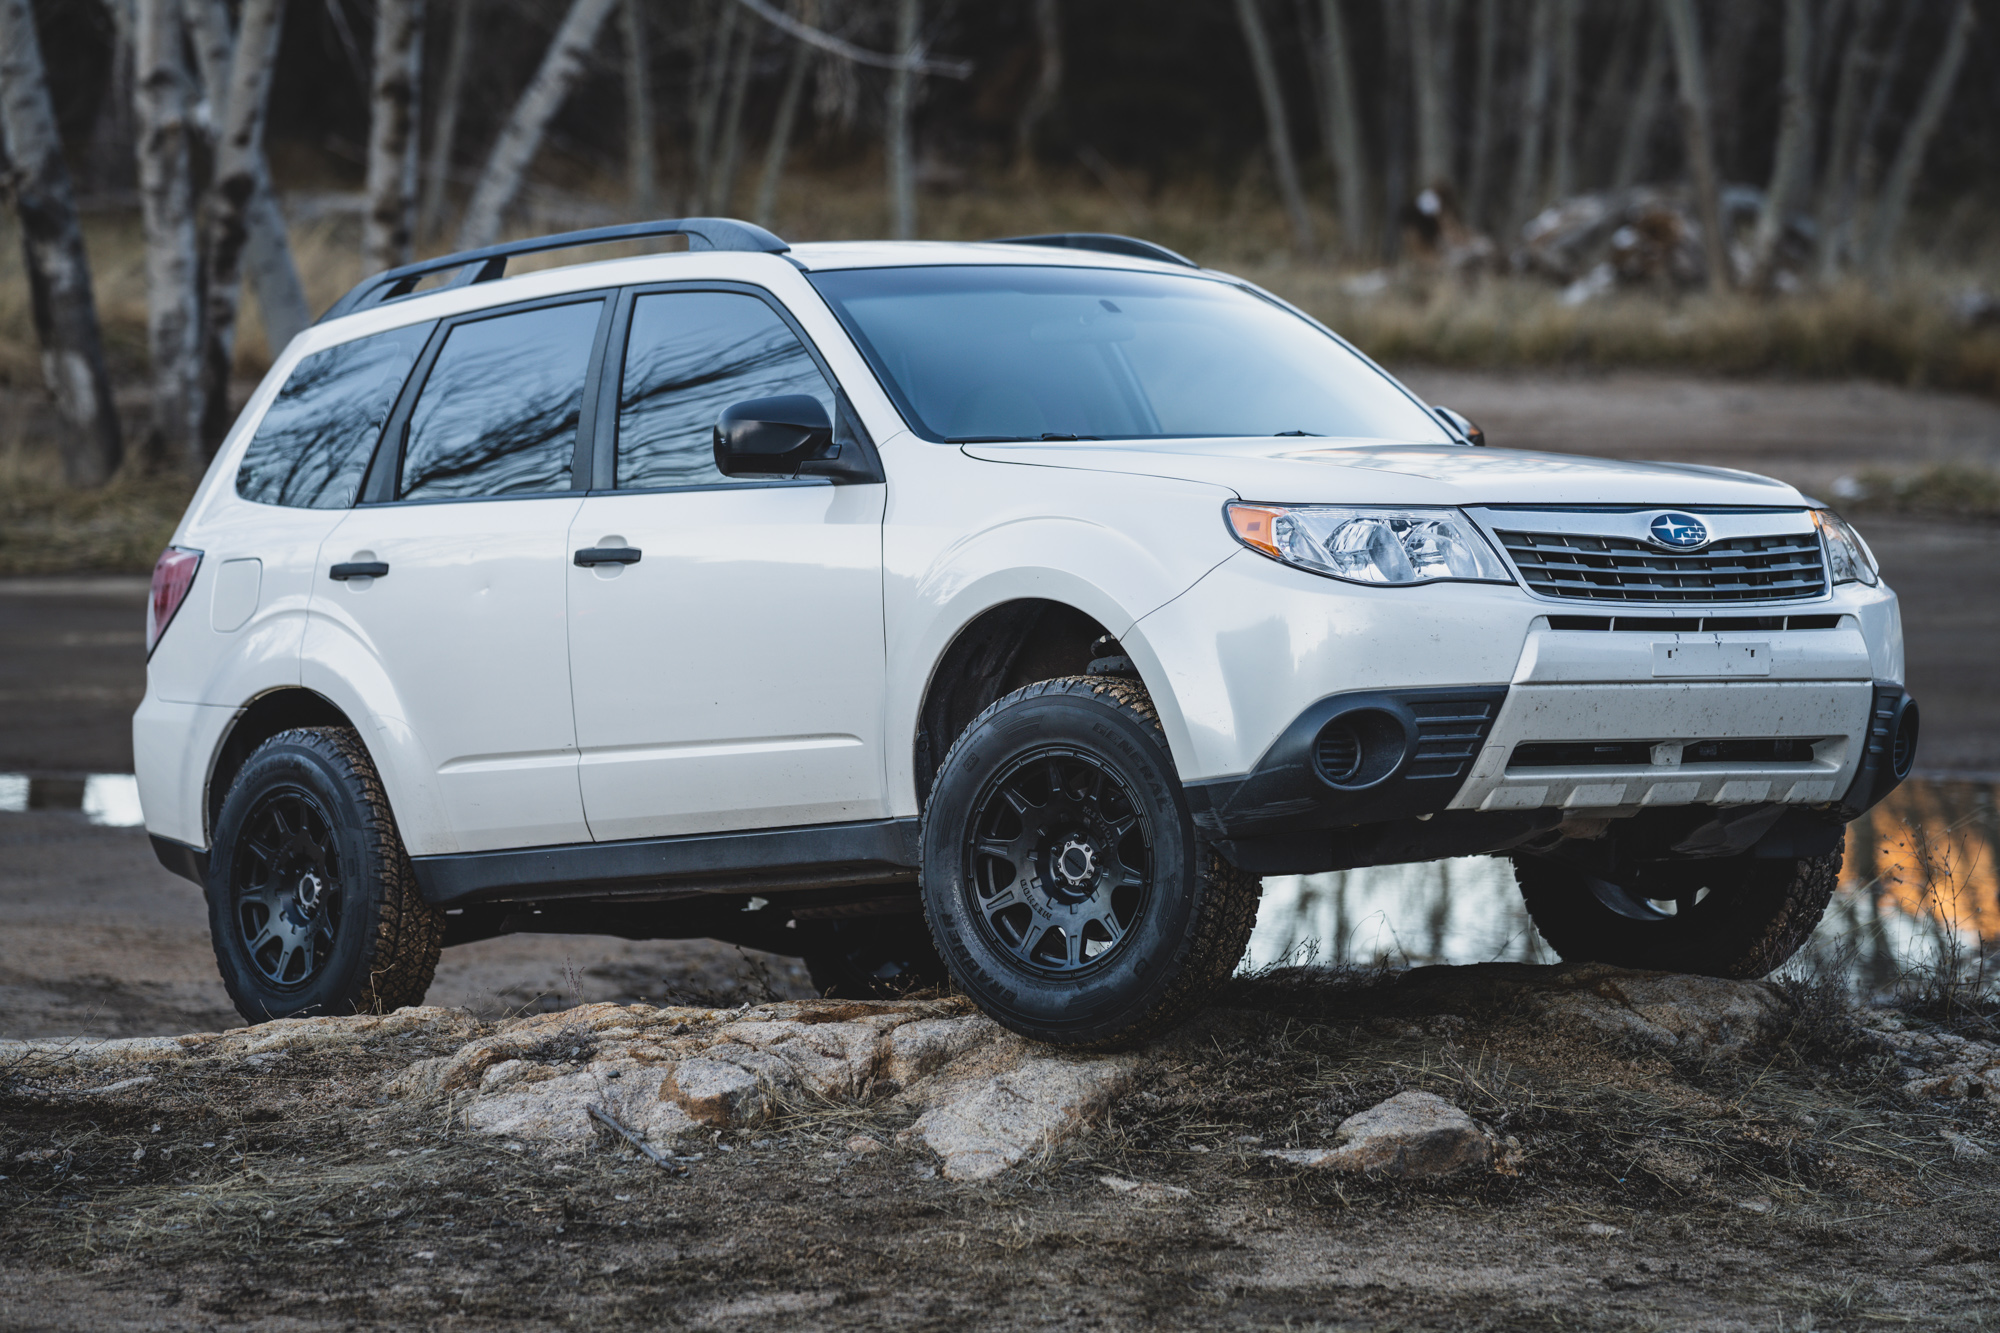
x=731 y=677
x=442 y=602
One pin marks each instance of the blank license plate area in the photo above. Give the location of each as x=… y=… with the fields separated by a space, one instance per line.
x=1691 y=658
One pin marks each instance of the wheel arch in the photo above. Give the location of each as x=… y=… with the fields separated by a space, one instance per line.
x=263 y=717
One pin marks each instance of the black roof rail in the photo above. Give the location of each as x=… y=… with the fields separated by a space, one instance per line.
x=1108 y=242
x=490 y=262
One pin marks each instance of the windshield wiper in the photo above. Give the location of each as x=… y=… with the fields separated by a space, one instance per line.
x=1313 y=433
x=987 y=439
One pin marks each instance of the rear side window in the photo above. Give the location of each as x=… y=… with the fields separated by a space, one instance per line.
x=690 y=355
x=313 y=446
x=498 y=412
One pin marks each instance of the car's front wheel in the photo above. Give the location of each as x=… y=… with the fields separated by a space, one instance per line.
x=1736 y=917
x=1062 y=878
x=312 y=904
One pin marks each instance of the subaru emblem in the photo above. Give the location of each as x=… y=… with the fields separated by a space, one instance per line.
x=1683 y=532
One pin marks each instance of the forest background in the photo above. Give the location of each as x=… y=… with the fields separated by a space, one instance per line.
x=1449 y=182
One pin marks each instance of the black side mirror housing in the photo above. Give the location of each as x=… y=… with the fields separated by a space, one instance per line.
x=791 y=436
x=1463 y=424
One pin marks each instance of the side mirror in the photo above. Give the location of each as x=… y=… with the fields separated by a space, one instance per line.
x=1461 y=423
x=771 y=437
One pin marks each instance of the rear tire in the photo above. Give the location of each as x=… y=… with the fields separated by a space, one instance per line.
x=1062 y=878
x=312 y=904
x=1738 y=917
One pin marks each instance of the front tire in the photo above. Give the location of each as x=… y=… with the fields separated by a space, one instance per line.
x=1062 y=880
x=1737 y=917
x=312 y=904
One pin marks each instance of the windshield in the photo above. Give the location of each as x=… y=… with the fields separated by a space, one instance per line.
x=1004 y=352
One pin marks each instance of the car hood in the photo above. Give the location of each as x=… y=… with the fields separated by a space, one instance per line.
x=1289 y=470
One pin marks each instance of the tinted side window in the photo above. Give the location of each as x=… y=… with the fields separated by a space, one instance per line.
x=312 y=447
x=498 y=412
x=690 y=355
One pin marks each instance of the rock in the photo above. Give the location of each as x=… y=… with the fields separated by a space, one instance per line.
x=1144 y=1191
x=555 y=1110
x=1963 y=1149
x=983 y=1123
x=1415 y=1134
x=718 y=1092
x=862 y=1143
x=1667 y=1009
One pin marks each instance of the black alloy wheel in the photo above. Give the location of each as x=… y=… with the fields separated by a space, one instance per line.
x=1063 y=881
x=312 y=903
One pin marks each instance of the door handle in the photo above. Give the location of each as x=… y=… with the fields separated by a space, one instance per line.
x=362 y=569
x=608 y=555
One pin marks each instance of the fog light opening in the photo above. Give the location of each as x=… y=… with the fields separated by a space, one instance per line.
x=1903 y=747
x=1359 y=749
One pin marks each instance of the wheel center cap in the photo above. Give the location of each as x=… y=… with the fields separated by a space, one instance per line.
x=1076 y=862
x=309 y=890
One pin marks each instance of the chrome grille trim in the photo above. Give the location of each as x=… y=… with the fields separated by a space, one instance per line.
x=1573 y=566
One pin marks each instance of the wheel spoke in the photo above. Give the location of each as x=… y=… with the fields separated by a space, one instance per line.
x=1013 y=796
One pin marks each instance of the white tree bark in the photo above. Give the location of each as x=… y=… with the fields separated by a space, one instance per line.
x=173 y=253
x=239 y=151
x=1836 y=195
x=1529 y=186
x=1048 y=85
x=1691 y=88
x=1284 y=164
x=519 y=139
x=639 y=155
x=1917 y=134
x=444 y=128
x=64 y=307
x=388 y=226
x=1791 y=165
x=729 y=156
x=267 y=257
x=902 y=108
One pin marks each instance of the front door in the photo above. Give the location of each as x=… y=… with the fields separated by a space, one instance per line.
x=444 y=599
x=731 y=677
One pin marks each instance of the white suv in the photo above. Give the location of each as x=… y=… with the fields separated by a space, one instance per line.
x=1032 y=598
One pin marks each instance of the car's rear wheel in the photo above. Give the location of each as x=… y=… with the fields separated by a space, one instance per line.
x=1734 y=917
x=1062 y=878
x=312 y=905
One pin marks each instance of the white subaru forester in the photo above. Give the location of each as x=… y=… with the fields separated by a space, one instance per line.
x=1028 y=599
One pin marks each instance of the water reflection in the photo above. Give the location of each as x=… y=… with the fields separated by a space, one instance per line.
x=1919 y=893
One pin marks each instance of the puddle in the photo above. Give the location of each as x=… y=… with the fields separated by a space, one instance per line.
x=1919 y=892
x=110 y=799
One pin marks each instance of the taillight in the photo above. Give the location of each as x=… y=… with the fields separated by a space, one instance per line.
x=173 y=575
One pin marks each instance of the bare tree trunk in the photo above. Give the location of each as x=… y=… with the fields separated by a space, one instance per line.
x=173 y=254
x=239 y=154
x=1394 y=97
x=711 y=86
x=1484 y=113
x=1836 y=196
x=444 y=129
x=65 y=309
x=730 y=155
x=1343 y=131
x=639 y=156
x=1433 y=108
x=1902 y=179
x=1563 y=172
x=1048 y=85
x=521 y=136
x=267 y=258
x=781 y=132
x=1690 y=79
x=1736 y=25
x=1597 y=146
x=1645 y=109
x=113 y=158
x=1528 y=183
x=388 y=230
x=1791 y=165
x=1284 y=165
x=902 y=99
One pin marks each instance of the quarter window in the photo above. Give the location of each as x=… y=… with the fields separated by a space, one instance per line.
x=314 y=444
x=690 y=355
x=498 y=412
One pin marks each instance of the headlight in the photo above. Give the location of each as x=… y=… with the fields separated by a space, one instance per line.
x=1848 y=558
x=1387 y=546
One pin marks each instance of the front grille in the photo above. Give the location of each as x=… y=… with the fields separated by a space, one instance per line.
x=1619 y=569
x=1449 y=734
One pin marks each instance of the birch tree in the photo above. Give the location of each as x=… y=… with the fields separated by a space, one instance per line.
x=1843 y=141
x=1562 y=172
x=1048 y=84
x=1343 y=129
x=1691 y=89
x=520 y=138
x=173 y=253
x=1284 y=165
x=709 y=90
x=1917 y=135
x=1527 y=194
x=639 y=155
x=1643 y=112
x=444 y=126
x=729 y=153
x=1791 y=163
x=64 y=306
x=388 y=225
x=780 y=142
x=239 y=148
x=1433 y=109
x=902 y=105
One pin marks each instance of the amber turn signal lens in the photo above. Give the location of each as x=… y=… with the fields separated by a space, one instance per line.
x=1253 y=527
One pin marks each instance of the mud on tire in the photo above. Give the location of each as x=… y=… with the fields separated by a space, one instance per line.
x=312 y=904
x=1738 y=917
x=1062 y=879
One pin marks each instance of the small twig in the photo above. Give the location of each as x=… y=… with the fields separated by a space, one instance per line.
x=914 y=61
x=660 y=1159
